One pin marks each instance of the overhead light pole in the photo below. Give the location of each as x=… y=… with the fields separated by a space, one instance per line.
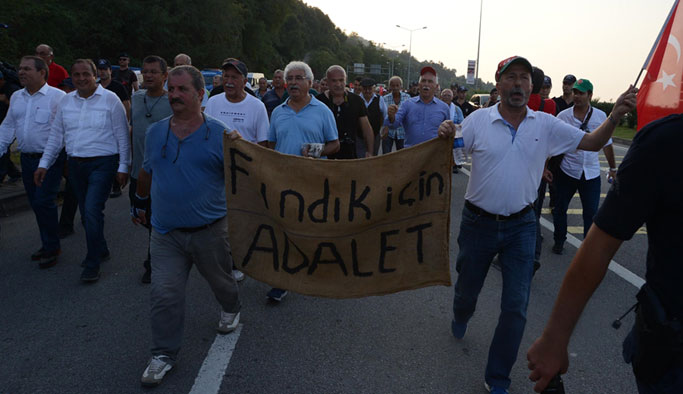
x=476 y=72
x=410 y=47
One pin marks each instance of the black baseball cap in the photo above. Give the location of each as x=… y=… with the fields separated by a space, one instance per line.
x=569 y=78
x=547 y=81
x=103 y=64
x=367 y=82
x=236 y=64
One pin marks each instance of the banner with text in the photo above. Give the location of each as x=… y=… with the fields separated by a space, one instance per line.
x=340 y=228
x=471 y=65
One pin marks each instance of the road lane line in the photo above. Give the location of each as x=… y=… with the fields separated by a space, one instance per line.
x=615 y=267
x=215 y=364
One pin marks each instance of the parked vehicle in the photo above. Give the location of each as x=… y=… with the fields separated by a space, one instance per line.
x=252 y=79
x=479 y=100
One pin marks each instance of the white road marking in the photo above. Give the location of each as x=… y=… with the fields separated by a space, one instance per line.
x=615 y=267
x=215 y=364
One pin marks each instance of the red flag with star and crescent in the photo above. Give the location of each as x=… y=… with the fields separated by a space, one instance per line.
x=661 y=93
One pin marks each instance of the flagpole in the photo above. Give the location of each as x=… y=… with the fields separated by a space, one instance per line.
x=654 y=46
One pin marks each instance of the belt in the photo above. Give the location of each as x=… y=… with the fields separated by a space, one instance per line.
x=32 y=155
x=87 y=159
x=484 y=213
x=198 y=228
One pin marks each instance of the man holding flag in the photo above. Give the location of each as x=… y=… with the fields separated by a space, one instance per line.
x=647 y=189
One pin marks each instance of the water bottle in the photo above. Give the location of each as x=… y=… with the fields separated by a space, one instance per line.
x=458 y=141
x=556 y=386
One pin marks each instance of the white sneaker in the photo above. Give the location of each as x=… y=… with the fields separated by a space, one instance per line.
x=238 y=275
x=156 y=370
x=228 y=322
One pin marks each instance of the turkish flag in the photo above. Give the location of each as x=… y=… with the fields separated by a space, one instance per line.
x=660 y=93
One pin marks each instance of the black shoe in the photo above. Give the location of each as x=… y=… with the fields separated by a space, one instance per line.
x=147 y=276
x=65 y=232
x=537 y=265
x=90 y=274
x=37 y=255
x=14 y=179
x=106 y=256
x=455 y=169
x=49 y=259
x=558 y=248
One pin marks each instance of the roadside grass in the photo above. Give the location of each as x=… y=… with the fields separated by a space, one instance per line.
x=624 y=132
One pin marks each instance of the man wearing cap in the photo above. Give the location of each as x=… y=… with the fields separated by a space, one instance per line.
x=149 y=105
x=461 y=101
x=536 y=102
x=545 y=89
x=420 y=116
x=275 y=96
x=579 y=169
x=566 y=100
x=125 y=75
x=377 y=111
x=237 y=109
x=509 y=144
x=351 y=116
x=91 y=122
x=394 y=135
x=29 y=119
x=57 y=72
x=109 y=83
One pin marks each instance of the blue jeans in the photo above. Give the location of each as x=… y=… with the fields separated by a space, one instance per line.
x=480 y=239
x=91 y=181
x=565 y=187
x=42 y=199
x=388 y=144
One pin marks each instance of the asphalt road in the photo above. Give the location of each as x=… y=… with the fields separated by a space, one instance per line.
x=58 y=335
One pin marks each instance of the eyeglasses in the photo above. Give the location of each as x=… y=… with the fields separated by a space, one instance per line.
x=297 y=78
x=168 y=132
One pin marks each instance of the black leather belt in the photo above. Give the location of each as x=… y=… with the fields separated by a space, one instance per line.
x=32 y=155
x=484 y=213
x=198 y=228
x=87 y=159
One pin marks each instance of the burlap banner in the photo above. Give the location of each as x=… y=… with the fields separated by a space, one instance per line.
x=340 y=228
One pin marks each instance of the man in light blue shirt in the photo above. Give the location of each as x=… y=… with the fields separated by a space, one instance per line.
x=421 y=115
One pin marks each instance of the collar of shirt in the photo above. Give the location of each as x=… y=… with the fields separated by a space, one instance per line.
x=494 y=114
x=368 y=102
x=43 y=91
x=313 y=102
x=98 y=92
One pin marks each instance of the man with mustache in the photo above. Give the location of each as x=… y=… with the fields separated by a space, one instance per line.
x=91 y=122
x=420 y=116
x=509 y=144
x=183 y=173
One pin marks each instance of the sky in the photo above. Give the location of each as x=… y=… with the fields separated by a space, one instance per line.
x=605 y=41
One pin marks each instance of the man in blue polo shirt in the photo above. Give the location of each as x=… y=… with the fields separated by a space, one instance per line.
x=299 y=124
x=420 y=116
x=183 y=169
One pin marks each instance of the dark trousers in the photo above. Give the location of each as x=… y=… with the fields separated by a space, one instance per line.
x=538 y=206
x=131 y=194
x=388 y=144
x=91 y=181
x=8 y=168
x=42 y=198
x=565 y=187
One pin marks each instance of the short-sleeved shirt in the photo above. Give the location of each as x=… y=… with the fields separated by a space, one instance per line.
x=465 y=107
x=120 y=91
x=188 y=182
x=582 y=162
x=560 y=104
x=346 y=118
x=126 y=77
x=272 y=100
x=506 y=164
x=419 y=119
x=314 y=123
x=141 y=104
x=649 y=189
x=249 y=116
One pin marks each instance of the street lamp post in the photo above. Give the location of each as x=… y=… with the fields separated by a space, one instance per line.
x=410 y=47
x=476 y=73
x=394 y=47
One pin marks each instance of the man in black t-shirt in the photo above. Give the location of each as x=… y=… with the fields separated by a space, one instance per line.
x=567 y=99
x=350 y=115
x=125 y=75
x=648 y=189
x=462 y=102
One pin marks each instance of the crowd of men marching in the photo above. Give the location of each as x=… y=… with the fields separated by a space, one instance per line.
x=165 y=138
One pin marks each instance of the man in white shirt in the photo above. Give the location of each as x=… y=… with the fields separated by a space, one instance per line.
x=91 y=122
x=237 y=109
x=30 y=115
x=579 y=169
x=509 y=144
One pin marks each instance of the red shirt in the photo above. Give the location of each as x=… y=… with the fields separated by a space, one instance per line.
x=535 y=104
x=57 y=75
